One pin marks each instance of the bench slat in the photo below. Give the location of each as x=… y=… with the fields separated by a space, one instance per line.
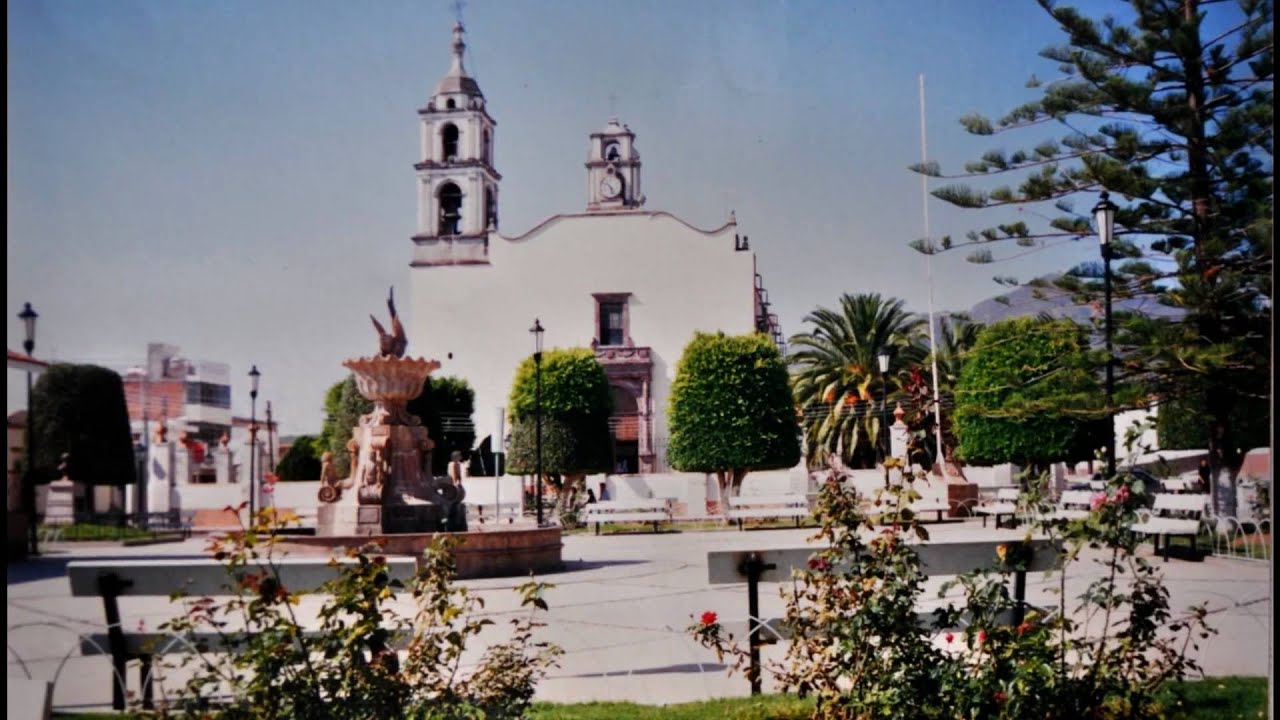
x=724 y=566
x=204 y=576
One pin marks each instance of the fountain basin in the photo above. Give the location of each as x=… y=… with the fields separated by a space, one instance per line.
x=488 y=553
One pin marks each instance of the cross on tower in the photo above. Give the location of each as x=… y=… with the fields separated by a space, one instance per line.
x=457 y=9
x=613 y=105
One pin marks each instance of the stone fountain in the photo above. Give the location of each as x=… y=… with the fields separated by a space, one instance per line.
x=391 y=488
x=391 y=497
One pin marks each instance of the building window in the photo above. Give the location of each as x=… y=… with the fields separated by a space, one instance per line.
x=487 y=150
x=449 y=140
x=450 y=104
x=612 y=151
x=450 y=209
x=208 y=394
x=613 y=321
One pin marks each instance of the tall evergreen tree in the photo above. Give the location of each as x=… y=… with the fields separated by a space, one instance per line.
x=1170 y=110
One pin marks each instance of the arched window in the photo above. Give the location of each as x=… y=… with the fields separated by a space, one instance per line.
x=449 y=142
x=450 y=201
x=490 y=207
x=612 y=151
x=486 y=151
x=450 y=104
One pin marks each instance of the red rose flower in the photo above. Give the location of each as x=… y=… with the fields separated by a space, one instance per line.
x=949 y=637
x=818 y=564
x=708 y=618
x=982 y=636
x=1024 y=628
x=1000 y=696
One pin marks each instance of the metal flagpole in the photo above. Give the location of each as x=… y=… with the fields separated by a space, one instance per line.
x=933 y=343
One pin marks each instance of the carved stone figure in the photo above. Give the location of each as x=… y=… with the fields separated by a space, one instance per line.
x=394 y=343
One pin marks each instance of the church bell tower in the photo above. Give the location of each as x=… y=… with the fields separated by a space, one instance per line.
x=613 y=169
x=457 y=183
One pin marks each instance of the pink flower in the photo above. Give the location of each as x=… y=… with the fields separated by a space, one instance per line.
x=982 y=636
x=948 y=637
x=1122 y=495
x=709 y=618
x=818 y=564
x=1098 y=500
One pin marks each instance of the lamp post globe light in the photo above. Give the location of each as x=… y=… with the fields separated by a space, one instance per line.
x=883 y=359
x=28 y=317
x=537 y=331
x=254 y=376
x=1104 y=215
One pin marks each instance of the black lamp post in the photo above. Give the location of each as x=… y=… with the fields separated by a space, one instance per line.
x=253 y=443
x=537 y=414
x=1104 y=214
x=28 y=317
x=883 y=358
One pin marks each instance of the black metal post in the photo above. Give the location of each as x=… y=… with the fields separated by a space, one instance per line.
x=29 y=476
x=109 y=587
x=537 y=451
x=1110 y=388
x=753 y=568
x=253 y=451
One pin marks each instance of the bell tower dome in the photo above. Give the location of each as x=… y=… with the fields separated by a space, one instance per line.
x=457 y=183
x=613 y=169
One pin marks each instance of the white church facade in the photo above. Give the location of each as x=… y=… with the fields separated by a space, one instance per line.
x=630 y=282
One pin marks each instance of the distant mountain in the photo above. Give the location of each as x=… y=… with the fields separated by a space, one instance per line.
x=1023 y=301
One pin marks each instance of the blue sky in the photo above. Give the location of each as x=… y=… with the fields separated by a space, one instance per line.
x=235 y=177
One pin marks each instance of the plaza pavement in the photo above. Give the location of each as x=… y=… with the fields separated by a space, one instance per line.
x=619 y=610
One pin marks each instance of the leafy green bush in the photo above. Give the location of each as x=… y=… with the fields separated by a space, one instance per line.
x=301 y=462
x=350 y=669
x=1029 y=394
x=858 y=647
x=731 y=409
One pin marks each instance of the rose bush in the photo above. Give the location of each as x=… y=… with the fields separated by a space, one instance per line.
x=858 y=645
x=269 y=667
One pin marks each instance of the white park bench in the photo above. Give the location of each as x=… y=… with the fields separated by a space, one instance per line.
x=1173 y=516
x=651 y=510
x=729 y=567
x=921 y=507
x=484 y=512
x=1072 y=505
x=744 y=507
x=1005 y=503
x=113 y=579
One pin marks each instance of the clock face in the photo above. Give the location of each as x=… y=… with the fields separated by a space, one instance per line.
x=611 y=186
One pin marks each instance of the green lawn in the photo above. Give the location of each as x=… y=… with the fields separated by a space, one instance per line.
x=1227 y=698
x=94 y=531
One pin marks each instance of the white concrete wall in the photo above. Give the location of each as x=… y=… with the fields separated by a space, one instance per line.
x=681 y=279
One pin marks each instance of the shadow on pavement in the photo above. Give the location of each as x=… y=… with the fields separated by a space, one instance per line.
x=661 y=670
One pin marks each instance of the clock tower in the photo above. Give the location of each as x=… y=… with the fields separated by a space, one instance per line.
x=613 y=169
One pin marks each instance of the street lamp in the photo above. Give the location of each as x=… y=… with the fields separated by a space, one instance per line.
x=253 y=442
x=537 y=414
x=883 y=358
x=28 y=317
x=1104 y=214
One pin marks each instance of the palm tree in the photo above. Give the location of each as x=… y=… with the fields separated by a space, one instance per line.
x=835 y=370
